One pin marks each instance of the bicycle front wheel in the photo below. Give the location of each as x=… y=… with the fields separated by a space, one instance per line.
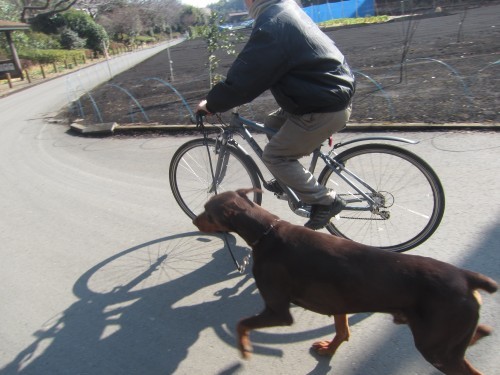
x=191 y=174
x=410 y=198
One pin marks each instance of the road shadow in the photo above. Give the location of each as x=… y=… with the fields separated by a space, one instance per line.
x=142 y=309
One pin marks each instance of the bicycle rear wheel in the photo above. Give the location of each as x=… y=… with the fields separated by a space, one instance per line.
x=191 y=171
x=410 y=194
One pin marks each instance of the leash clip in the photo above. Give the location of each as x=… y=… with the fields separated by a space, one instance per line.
x=244 y=264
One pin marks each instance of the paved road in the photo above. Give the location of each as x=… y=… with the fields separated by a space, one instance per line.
x=103 y=274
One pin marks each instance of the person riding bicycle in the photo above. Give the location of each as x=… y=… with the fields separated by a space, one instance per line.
x=311 y=82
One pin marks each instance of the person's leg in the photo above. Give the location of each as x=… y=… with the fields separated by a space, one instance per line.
x=275 y=120
x=298 y=136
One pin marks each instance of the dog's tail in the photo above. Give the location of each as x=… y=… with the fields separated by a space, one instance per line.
x=479 y=281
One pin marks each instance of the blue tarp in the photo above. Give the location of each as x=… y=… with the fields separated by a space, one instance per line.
x=341 y=9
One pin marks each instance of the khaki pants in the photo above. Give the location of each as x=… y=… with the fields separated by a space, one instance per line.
x=298 y=136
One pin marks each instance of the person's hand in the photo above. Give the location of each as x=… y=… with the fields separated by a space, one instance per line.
x=202 y=107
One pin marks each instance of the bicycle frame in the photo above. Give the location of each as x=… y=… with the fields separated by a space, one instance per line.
x=241 y=126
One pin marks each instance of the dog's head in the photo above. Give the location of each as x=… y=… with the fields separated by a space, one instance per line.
x=221 y=209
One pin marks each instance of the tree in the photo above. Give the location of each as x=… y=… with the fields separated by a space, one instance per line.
x=218 y=39
x=128 y=18
x=86 y=28
x=191 y=16
x=122 y=23
x=93 y=7
x=77 y=21
x=224 y=7
x=158 y=14
x=9 y=10
x=46 y=7
x=122 y=19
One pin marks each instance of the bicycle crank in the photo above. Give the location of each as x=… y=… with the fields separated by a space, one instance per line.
x=300 y=210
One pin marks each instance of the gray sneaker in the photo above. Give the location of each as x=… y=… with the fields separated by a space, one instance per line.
x=321 y=214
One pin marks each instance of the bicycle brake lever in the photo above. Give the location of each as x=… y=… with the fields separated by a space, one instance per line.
x=199 y=120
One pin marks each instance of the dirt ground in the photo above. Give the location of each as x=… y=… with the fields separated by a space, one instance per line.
x=451 y=74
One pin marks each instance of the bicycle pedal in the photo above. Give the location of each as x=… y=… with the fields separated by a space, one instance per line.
x=281 y=196
x=273 y=186
x=303 y=211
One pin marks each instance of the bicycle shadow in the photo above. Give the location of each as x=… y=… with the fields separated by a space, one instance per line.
x=126 y=321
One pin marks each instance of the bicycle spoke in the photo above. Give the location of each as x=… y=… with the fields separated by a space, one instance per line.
x=191 y=177
x=408 y=196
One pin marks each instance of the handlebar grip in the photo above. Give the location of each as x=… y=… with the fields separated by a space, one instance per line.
x=199 y=118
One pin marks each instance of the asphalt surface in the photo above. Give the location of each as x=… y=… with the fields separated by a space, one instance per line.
x=102 y=273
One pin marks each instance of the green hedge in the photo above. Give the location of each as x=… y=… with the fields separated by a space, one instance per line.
x=144 y=39
x=47 y=56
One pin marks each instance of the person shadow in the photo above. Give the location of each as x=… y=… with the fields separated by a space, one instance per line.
x=141 y=310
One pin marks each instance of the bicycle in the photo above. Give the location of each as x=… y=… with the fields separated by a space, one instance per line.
x=395 y=201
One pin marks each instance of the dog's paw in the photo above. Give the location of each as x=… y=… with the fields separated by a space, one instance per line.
x=324 y=348
x=244 y=343
x=246 y=351
x=245 y=347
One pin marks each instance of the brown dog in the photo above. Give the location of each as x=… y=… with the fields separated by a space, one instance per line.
x=335 y=276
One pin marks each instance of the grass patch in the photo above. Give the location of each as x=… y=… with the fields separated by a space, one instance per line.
x=354 y=21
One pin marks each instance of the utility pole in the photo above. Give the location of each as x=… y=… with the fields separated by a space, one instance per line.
x=170 y=62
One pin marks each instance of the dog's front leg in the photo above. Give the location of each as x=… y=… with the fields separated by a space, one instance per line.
x=342 y=334
x=267 y=318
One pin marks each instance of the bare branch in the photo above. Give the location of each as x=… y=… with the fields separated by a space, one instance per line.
x=60 y=6
x=27 y=8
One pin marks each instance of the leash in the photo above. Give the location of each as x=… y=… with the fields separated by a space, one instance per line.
x=246 y=259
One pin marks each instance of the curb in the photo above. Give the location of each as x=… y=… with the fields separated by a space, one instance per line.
x=111 y=128
x=423 y=126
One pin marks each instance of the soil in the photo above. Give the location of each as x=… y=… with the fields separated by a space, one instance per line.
x=451 y=74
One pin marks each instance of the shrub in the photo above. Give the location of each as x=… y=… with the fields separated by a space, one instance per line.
x=71 y=40
x=117 y=46
x=42 y=41
x=86 y=28
x=144 y=39
x=47 y=56
x=96 y=37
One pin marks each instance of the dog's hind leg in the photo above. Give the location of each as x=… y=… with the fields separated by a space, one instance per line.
x=443 y=337
x=342 y=334
x=481 y=331
x=453 y=362
x=268 y=318
x=450 y=361
x=457 y=366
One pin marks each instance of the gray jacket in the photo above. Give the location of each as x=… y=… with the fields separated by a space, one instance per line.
x=288 y=54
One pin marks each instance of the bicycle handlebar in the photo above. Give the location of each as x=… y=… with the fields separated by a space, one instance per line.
x=199 y=119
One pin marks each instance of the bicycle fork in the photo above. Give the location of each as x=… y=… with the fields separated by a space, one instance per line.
x=221 y=166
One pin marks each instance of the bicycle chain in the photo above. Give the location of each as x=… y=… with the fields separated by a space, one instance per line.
x=358 y=218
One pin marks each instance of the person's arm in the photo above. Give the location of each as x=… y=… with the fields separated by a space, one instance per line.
x=258 y=66
x=202 y=107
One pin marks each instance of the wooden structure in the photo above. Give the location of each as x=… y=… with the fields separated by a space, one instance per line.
x=12 y=66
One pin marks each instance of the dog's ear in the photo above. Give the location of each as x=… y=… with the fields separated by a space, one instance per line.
x=233 y=207
x=238 y=203
x=243 y=192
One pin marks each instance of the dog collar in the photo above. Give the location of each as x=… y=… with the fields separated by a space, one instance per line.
x=266 y=232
